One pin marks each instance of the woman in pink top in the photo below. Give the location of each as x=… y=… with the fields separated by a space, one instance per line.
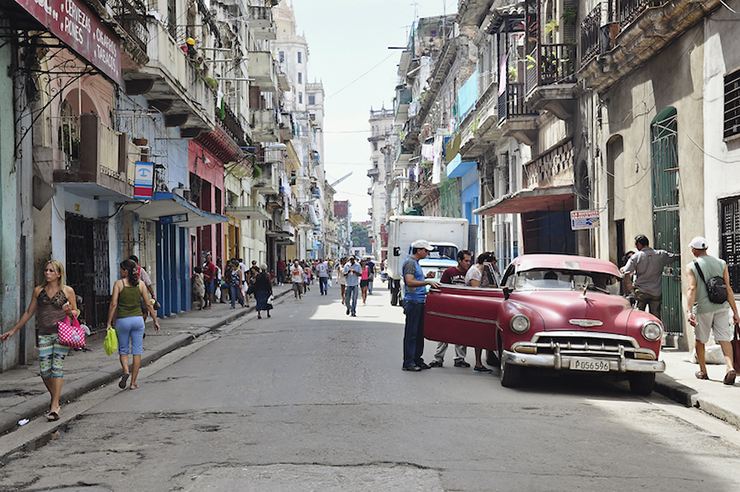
x=364 y=280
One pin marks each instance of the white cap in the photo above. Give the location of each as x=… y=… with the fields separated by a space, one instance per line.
x=422 y=244
x=698 y=243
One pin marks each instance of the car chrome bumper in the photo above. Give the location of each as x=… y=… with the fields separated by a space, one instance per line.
x=558 y=362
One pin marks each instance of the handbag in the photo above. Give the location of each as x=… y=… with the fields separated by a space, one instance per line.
x=736 y=349
x=716 y=288
x=71 y=333
x=110 y=344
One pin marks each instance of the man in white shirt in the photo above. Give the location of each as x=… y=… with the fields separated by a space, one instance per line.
x=352 y=272
x=322 y=269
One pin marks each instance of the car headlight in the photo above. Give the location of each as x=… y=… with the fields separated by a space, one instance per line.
x=652 y=331
x=519 y=324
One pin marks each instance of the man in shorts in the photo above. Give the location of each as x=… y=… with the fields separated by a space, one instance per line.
x=706 y=316
x=296 y=275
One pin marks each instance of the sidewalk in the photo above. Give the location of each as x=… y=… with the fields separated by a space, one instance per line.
x=25 y=397
x=713 y=397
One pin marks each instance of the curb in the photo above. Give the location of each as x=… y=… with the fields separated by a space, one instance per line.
x=677 y=392
x=33 y=407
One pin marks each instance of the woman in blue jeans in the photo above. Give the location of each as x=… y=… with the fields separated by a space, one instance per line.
x=125 y=304
x=235 y=280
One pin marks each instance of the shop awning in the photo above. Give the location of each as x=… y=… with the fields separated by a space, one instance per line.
x=173 y=209
x=531 y=200
x=247 y=213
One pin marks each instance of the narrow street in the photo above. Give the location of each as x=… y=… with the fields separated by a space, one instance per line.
x=314 y=400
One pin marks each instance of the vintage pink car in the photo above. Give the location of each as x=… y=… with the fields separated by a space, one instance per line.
x=553 y=311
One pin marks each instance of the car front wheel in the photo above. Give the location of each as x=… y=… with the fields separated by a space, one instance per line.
x=642 y=383
x=511 y=375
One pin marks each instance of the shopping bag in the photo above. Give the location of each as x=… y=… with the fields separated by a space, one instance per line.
x=110 y=344
x=328 y=283
x=71 y=333
x=736 y=348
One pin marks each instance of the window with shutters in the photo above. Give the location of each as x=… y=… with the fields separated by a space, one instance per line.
x=730 y=224
x=732 y=105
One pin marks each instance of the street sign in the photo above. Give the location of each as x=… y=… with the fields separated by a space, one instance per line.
x=173 y=219
x=144 y=180
x=584 y=219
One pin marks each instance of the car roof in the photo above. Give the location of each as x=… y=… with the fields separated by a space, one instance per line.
x=564 y=262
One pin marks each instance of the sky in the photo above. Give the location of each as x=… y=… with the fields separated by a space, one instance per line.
x=348 y=51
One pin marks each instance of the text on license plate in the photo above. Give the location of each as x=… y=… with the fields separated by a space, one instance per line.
x=589 y=365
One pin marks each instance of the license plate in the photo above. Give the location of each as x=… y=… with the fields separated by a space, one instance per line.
x=589 y=365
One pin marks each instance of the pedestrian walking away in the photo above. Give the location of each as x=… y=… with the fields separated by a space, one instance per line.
x=647 y=267
x=414 y=303
x=454 y=275
x=262 y=290
x=148 y=283
x=199 y=287
x=352 y=273
x=125 y=306
x=371 y=274
x=322 y=269
x=707 y=316
x=54 y=301
x=296 y=275
x=341 y=277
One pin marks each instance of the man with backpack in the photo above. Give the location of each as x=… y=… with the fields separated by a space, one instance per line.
x=708 y=307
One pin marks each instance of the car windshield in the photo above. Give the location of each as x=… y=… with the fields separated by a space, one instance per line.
x=549 y=279
x=445 y=252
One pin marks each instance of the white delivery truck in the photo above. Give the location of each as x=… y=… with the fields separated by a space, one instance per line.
x=448 y=235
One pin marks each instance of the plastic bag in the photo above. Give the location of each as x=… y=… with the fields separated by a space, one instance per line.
x=110 y=344
x=328 y=283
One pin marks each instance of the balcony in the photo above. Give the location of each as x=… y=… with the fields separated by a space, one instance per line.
x=264 y=125
x=172 y=84
x=247 y=213
x=263 y=70
x=286 y=126
x=106 y=166
x=479 y=130
x=373 y=172
x=403 y=99
x=268 y=183
x=260 y=20
x=634 y=32
x=131 y=15
x=551 y=83
x=515 y=117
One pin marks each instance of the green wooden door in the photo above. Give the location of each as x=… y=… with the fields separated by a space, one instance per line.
x=666 y=224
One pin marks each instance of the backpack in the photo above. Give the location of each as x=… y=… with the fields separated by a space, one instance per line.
x=716 y=287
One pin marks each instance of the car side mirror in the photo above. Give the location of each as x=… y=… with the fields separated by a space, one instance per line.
x=507 y=292
x=396 y=251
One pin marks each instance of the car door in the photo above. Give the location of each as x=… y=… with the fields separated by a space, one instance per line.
x=463 y=316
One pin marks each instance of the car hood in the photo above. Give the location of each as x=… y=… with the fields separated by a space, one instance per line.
x=571 y=310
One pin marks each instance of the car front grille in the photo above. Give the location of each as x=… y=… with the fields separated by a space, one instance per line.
x=587 y=344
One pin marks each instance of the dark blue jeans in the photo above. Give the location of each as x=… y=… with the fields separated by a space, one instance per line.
x=322 y=284
x=235 y=292
x=413 y=335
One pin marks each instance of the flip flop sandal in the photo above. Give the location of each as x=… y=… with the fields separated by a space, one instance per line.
x=701 y=375
x=52 y=417
x=122 y=382
x=730 y=378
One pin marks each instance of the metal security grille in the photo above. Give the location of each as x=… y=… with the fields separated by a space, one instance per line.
x=732 y=104
x=88 y=271
x=666 y=226
x=730 y=223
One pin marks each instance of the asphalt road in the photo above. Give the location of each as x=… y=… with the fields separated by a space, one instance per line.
x=314 y=400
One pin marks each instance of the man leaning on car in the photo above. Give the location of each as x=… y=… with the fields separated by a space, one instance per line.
x=414 y=302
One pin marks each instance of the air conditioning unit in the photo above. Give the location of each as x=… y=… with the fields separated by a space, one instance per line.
x=183 y=193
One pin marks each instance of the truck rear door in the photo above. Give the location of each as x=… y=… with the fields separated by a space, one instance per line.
x=463 y=316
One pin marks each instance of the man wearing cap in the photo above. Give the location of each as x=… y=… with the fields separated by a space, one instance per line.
x=414 y=300
x=703 y=314
x=647 y=266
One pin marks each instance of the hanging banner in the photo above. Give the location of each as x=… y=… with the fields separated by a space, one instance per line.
x=79 y=28
x=144 y=180
x=584 y=219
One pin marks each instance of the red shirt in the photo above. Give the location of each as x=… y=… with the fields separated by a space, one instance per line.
x=209 y=271
x=453 y=276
